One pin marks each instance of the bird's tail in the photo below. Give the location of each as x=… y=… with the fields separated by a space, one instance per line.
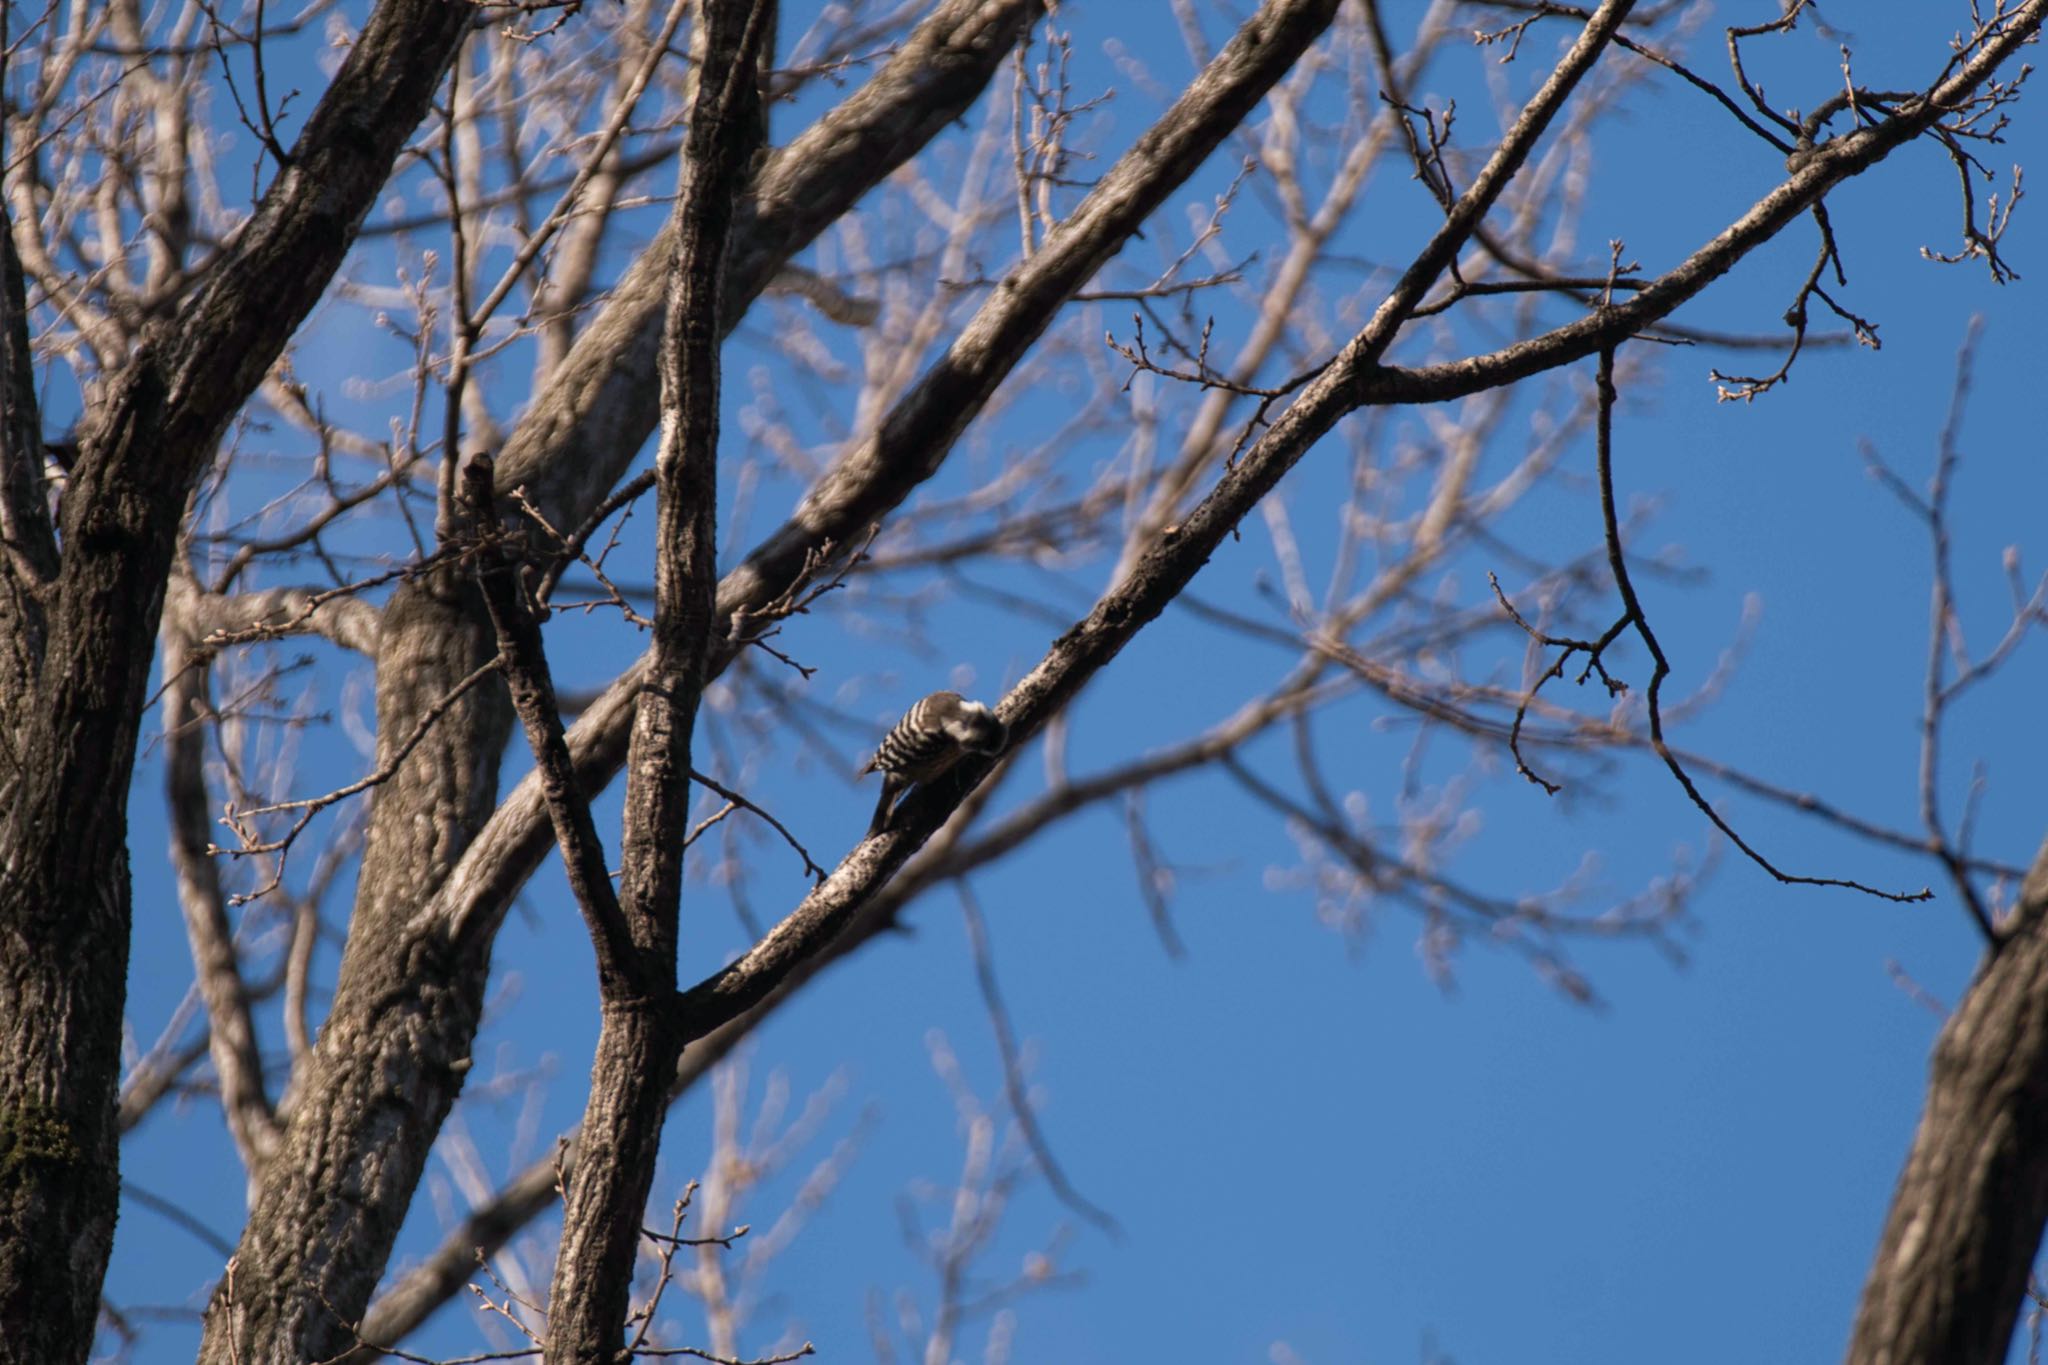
x=881 y=820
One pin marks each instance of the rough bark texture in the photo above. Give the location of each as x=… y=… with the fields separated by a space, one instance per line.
x=1965 y=1224
x=637 y=1043
x=602 y=1216
x=28 y=543
x=64 y=898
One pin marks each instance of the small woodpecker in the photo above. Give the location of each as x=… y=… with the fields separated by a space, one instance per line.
x=932 y=736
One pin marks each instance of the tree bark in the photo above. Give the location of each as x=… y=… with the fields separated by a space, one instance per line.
x=638 y=1042
x=65 y=896
x=28 y=541
x=1965 y=1224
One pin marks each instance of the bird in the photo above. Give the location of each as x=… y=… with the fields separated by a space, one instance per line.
x=933 y=735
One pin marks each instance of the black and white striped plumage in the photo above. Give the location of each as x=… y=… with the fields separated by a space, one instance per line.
x=932 y=736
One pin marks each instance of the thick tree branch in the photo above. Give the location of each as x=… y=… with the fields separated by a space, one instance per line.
x=28 y=542
x=65 y=903
x=637 y=1045
x=220 y=619
x=28 y=546
x=1965 y=1223
x=600 y=404
x=231 y=1028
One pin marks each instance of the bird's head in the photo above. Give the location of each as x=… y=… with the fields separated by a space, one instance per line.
x=976 y=729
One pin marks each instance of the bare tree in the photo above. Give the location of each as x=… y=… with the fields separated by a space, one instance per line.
x=450 y=503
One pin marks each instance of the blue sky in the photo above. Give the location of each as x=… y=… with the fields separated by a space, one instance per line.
x=1305 y=1140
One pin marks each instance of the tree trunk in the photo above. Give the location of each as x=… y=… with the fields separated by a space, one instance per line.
x=639 y=1041
x=71 y=735
x=1965 y=1223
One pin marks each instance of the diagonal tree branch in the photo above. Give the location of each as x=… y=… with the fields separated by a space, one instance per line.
x=1156 y=579
x=600 y=405
x=532 y=686
x=1827 y=166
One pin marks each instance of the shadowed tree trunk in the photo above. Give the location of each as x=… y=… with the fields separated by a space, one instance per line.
x=71 y=734
x=1951 y=1271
